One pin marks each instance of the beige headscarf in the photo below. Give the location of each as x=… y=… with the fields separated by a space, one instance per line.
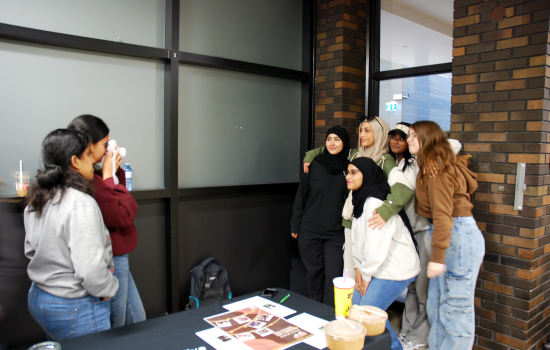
x=375 y=152
x=381 y=141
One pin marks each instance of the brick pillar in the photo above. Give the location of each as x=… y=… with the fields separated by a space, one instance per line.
x=340 y=74
x=500 y=112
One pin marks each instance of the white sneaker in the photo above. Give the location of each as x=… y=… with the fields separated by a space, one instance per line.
x=401 y=336
x=410 y=345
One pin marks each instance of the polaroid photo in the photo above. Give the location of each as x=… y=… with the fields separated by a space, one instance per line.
x=241 y=319
x=223 y=324
x=264 y=317
x=269 y=306
x=256 y=324
x=224 y=338
x=245 y=336
x=264 y=332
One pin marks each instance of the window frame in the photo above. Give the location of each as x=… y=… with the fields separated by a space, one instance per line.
x=374 y=75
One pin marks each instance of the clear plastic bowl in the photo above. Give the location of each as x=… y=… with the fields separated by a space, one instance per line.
x=340 y=336
x=373 y=323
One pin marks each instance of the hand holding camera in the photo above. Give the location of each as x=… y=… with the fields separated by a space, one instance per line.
x=111 y=146
x=113 y=160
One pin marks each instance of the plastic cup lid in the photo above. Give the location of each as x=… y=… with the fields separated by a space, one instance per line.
x=360 y=315
x=340 y=330
x=339 y=282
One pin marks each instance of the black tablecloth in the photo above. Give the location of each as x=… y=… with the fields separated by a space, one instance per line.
x=177 y=331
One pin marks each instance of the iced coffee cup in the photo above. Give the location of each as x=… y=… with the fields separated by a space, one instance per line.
x=22 y=183
x=343 y=292
x=345 y=335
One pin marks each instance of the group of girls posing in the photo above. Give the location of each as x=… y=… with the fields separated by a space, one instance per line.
x=405 y=223
x=79 y=231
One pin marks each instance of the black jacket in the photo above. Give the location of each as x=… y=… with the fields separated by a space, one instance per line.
x=318 y=203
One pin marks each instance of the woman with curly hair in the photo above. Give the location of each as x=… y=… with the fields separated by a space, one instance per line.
x=457 y=244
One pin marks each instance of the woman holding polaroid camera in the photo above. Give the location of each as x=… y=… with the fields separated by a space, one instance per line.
x=119 y=209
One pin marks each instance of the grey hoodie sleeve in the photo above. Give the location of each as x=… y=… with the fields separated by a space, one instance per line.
x=91 y=251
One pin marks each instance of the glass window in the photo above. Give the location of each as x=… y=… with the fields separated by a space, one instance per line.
x=139 y=22
x=45 y=88
x=265 y=32
x=237 y=128
x=415 y=33
x=419 y=98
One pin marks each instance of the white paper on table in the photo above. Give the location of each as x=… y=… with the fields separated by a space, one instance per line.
x=277 y=309
x=313 y=325
x=212 y=337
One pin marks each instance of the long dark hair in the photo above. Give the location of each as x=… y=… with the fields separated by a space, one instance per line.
x=57 y=150
x=92 y=126
x=409 y=158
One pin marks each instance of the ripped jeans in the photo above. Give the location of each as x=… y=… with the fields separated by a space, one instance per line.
x=450 y=302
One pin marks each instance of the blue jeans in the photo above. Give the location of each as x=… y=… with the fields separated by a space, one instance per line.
x=126 y=305
x=451 y=295
x=64 y=318
x=382 y=293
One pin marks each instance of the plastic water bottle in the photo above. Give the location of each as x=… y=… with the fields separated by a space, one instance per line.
x=128 y=173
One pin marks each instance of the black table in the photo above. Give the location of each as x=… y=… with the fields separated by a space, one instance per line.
x=177 y=331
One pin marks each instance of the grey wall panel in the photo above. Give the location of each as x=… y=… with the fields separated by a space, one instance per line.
x=138 y=22
x=237 y=128
x=265 y=32
x=249 y=234
x=45 y=88
x=147 y=261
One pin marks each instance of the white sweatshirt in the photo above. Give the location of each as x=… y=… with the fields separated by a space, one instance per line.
x=387 y=253
x=418 y=223
x=70 y=248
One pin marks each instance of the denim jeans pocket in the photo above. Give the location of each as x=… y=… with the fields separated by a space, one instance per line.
x=60 y=324
x=457 y=287
x=459 y=321
x=477 y=243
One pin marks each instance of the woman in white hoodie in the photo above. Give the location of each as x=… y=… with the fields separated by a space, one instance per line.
x=386 y=260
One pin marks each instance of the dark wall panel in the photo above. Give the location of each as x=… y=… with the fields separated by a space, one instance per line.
x=17 y=327
x=248 y=233
x=147 y=261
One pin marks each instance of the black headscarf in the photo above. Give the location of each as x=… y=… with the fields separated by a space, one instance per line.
x=335 y=164
x=374 y=185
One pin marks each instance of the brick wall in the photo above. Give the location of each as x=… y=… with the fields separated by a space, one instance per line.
x=340 y=71
x=500 y=112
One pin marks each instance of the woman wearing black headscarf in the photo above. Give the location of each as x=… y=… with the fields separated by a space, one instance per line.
x=386 y=260
x=317 y=218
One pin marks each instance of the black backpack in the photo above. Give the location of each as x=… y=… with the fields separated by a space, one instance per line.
x=209 y=283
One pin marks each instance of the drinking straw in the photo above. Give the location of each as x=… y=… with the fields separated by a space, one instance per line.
x=21 y=173
x=345 y=275
x=343 y=318
x=370 y=311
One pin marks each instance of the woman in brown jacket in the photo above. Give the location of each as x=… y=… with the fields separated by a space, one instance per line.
x=458 y=246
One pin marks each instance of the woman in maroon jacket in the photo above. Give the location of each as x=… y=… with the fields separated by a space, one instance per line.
x=119 y=209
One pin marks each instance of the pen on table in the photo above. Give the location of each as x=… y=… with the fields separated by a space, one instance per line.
x=285 y=298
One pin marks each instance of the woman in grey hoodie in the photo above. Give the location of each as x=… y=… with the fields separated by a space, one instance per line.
x=71 y=258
